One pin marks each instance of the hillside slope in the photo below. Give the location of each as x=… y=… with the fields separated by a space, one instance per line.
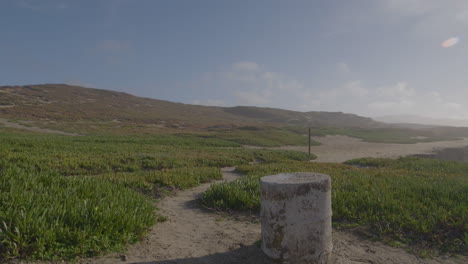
x=422 y=120
x=65 y=103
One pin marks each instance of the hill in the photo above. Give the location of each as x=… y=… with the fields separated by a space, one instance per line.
x=63 y=106
x=422 y=120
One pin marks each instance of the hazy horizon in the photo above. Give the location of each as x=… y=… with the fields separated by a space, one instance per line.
x=371 y=58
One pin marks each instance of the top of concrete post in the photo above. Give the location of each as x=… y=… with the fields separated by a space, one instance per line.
x=296 y=178
x=308 y=180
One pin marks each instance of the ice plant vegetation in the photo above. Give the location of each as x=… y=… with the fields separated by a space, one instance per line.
x=64 y=197
x=414 y=201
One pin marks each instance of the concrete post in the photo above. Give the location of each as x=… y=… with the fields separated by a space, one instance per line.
x=296 y=217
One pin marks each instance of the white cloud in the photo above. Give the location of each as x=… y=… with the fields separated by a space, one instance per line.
x=453 y=105
x=392 y=106
x=268 y=76
x=348 y=97
x=437 y=105
x=397 y=99
x=401 y=99
x=255 y=85
x=251 y=84
x=354 y=88
x=401 y=89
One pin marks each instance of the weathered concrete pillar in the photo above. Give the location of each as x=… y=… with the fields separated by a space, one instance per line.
x=296 y=217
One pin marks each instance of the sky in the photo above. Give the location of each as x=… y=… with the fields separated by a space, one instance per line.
x=368 y=57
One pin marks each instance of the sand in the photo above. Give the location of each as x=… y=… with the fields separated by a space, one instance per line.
x=343 y=148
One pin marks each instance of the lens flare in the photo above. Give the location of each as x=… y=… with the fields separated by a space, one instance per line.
x=450 y=42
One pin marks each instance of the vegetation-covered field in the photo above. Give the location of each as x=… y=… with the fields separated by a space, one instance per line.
x=45 y=215
x=412 y=201
x=63 y=197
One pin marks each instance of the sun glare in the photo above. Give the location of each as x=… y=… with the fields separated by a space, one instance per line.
x=450 y=42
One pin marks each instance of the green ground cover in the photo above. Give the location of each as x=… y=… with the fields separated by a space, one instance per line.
x=58 y=194
x=411 y=201
x=62 y=197
x=266 y=136
x=49 y=216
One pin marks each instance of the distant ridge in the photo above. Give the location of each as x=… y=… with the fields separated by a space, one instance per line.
x=68 y=103
x=422 y=120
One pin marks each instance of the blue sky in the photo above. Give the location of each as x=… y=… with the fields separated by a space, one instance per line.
x=367 y=57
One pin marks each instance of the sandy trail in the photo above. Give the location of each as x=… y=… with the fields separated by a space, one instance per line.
x=343 y=148
x=194 y=236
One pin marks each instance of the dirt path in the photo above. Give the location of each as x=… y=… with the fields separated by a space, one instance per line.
x=194 y=236
x=342 y=148
x=34 y=129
